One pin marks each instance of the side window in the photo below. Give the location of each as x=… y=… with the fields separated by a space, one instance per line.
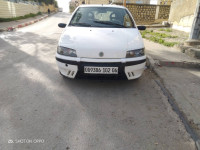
x=77 y=16
x=127 y=21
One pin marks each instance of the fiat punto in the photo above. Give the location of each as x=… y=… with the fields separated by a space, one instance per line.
x=101 y=40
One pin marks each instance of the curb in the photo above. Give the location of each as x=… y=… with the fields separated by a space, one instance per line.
x=198 y=144
x=23 y=24
x=180 y=64
x=159 y=26
x=151 y=64
x=2 y=29
x=192 y=51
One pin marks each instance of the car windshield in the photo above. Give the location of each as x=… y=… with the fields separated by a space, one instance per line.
x=105 y=17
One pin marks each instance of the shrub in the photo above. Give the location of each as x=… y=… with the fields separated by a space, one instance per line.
x=20 y=17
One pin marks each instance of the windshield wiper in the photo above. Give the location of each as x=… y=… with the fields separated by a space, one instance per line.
x=81 y=24
x=110 y=23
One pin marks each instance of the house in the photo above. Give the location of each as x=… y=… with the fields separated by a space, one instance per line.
x=184 y=16
x=75 y=3
x=164 y=2
x=133 y=1
x=80 y=2
x=98 y=1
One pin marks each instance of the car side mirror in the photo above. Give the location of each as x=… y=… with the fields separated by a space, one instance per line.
x=141 y=27
x=62 y=25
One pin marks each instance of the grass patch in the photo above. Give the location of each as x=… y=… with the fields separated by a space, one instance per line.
x=161 y=41
x=158 y=37
x=20 y=17
x=156 y=40
x=161 y=35
x=166 y=30
x=170 y=44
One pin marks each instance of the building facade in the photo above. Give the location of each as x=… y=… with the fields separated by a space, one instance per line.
x=75 y=3
x=165 y=2
x=97 y=1
x=133 y=1
x=182 y=14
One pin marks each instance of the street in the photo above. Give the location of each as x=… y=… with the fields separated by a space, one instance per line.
x=41 y=110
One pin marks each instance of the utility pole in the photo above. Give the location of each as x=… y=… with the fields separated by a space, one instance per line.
x=124 y=3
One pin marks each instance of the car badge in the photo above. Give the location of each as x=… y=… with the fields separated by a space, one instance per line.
x=101 y=54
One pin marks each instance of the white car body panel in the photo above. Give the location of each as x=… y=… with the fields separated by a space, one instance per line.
x=113 y=42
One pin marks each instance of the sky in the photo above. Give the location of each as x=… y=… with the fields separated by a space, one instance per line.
x=65 y=4
x=153 y=2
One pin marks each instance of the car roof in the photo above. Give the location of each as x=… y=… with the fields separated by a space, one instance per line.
x=102 y=5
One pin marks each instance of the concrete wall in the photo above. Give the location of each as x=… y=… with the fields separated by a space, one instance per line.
x=142 y=14
x=10 y=9
x=96 y=1
x=182 y=14
x=164 y=11
x=44 y=8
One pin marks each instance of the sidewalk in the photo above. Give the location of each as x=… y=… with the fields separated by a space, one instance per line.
x=170 y=56
x=180 y=75
x=7 y=26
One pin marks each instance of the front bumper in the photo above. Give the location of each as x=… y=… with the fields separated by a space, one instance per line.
x=127 y=68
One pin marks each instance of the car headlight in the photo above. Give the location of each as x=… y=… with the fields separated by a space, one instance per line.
x=135 y=53
x=66 y=51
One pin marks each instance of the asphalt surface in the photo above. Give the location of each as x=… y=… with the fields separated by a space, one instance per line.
x=40 y=110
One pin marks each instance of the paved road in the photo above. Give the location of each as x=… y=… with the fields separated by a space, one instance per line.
x=37 y=103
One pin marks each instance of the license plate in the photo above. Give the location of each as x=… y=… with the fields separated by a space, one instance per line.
x=101 y=70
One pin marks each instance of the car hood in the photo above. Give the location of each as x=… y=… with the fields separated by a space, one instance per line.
x=101 y=42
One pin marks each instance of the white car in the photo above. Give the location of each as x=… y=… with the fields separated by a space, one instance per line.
x=60 y=9
x=101 y=40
